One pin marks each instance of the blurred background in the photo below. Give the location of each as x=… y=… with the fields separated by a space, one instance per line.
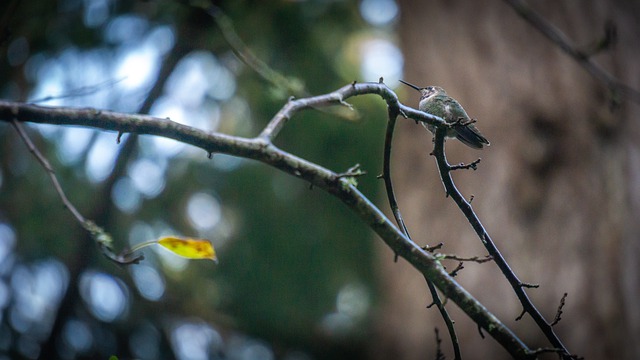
x=299 y=276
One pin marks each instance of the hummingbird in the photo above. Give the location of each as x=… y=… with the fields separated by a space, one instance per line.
x=434 y=100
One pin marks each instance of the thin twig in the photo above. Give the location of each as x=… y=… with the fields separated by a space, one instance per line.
x=244 y=53
x=455 y=271
x=80 y=91
x=103 y=239
x=52 y=174
x=287 y=84
x=475 y=259
x=393 y=204
x=558 y=316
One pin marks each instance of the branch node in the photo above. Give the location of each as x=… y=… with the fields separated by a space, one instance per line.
x=381 y=80
x=210 y=154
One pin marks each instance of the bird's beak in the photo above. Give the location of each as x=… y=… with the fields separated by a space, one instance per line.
x=410 y=85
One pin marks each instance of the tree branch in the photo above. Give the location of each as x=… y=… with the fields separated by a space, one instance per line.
x=557 y=37
x=393 y=204
x=263 y=150
x=450 y=188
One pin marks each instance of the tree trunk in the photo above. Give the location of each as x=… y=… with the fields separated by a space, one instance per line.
x=558 y=189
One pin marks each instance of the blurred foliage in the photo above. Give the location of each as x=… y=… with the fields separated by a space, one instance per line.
x=296 y=267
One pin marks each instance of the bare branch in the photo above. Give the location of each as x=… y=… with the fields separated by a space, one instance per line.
x=475 y=259
x=472 y=165
x=450 y=189
x=393 y=204
x=52 y=174
x=262 y=149
x=103 y=239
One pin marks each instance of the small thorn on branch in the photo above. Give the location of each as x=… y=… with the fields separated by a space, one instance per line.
x=457 y=269
x=381 y=80
x=480 y=331
x=558 y=316
x=353 y=84
x=119 y=137
x=521 y=315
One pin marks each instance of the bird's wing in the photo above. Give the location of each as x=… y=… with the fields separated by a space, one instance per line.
x=470 y=136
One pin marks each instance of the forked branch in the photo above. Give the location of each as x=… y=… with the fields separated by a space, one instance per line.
x=262 y=149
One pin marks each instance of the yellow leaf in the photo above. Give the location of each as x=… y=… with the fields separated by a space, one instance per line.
x=189 y=248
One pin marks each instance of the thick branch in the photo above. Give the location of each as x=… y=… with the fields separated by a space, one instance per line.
x=261 y=149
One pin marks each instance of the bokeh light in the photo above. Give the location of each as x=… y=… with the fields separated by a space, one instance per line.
x=106 y=297
x=379 y=12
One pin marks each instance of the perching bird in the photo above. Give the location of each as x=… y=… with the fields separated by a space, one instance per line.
x=435 y=101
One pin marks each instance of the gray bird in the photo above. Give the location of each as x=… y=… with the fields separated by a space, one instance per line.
x=435 y=101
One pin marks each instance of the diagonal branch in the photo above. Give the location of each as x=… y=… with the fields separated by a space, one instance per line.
x=103 y=239
x=518 y=286
x=557 y=37
x=262 y=149
x=52 y=174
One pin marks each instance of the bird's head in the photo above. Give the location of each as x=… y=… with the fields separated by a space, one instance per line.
x=428 y=91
